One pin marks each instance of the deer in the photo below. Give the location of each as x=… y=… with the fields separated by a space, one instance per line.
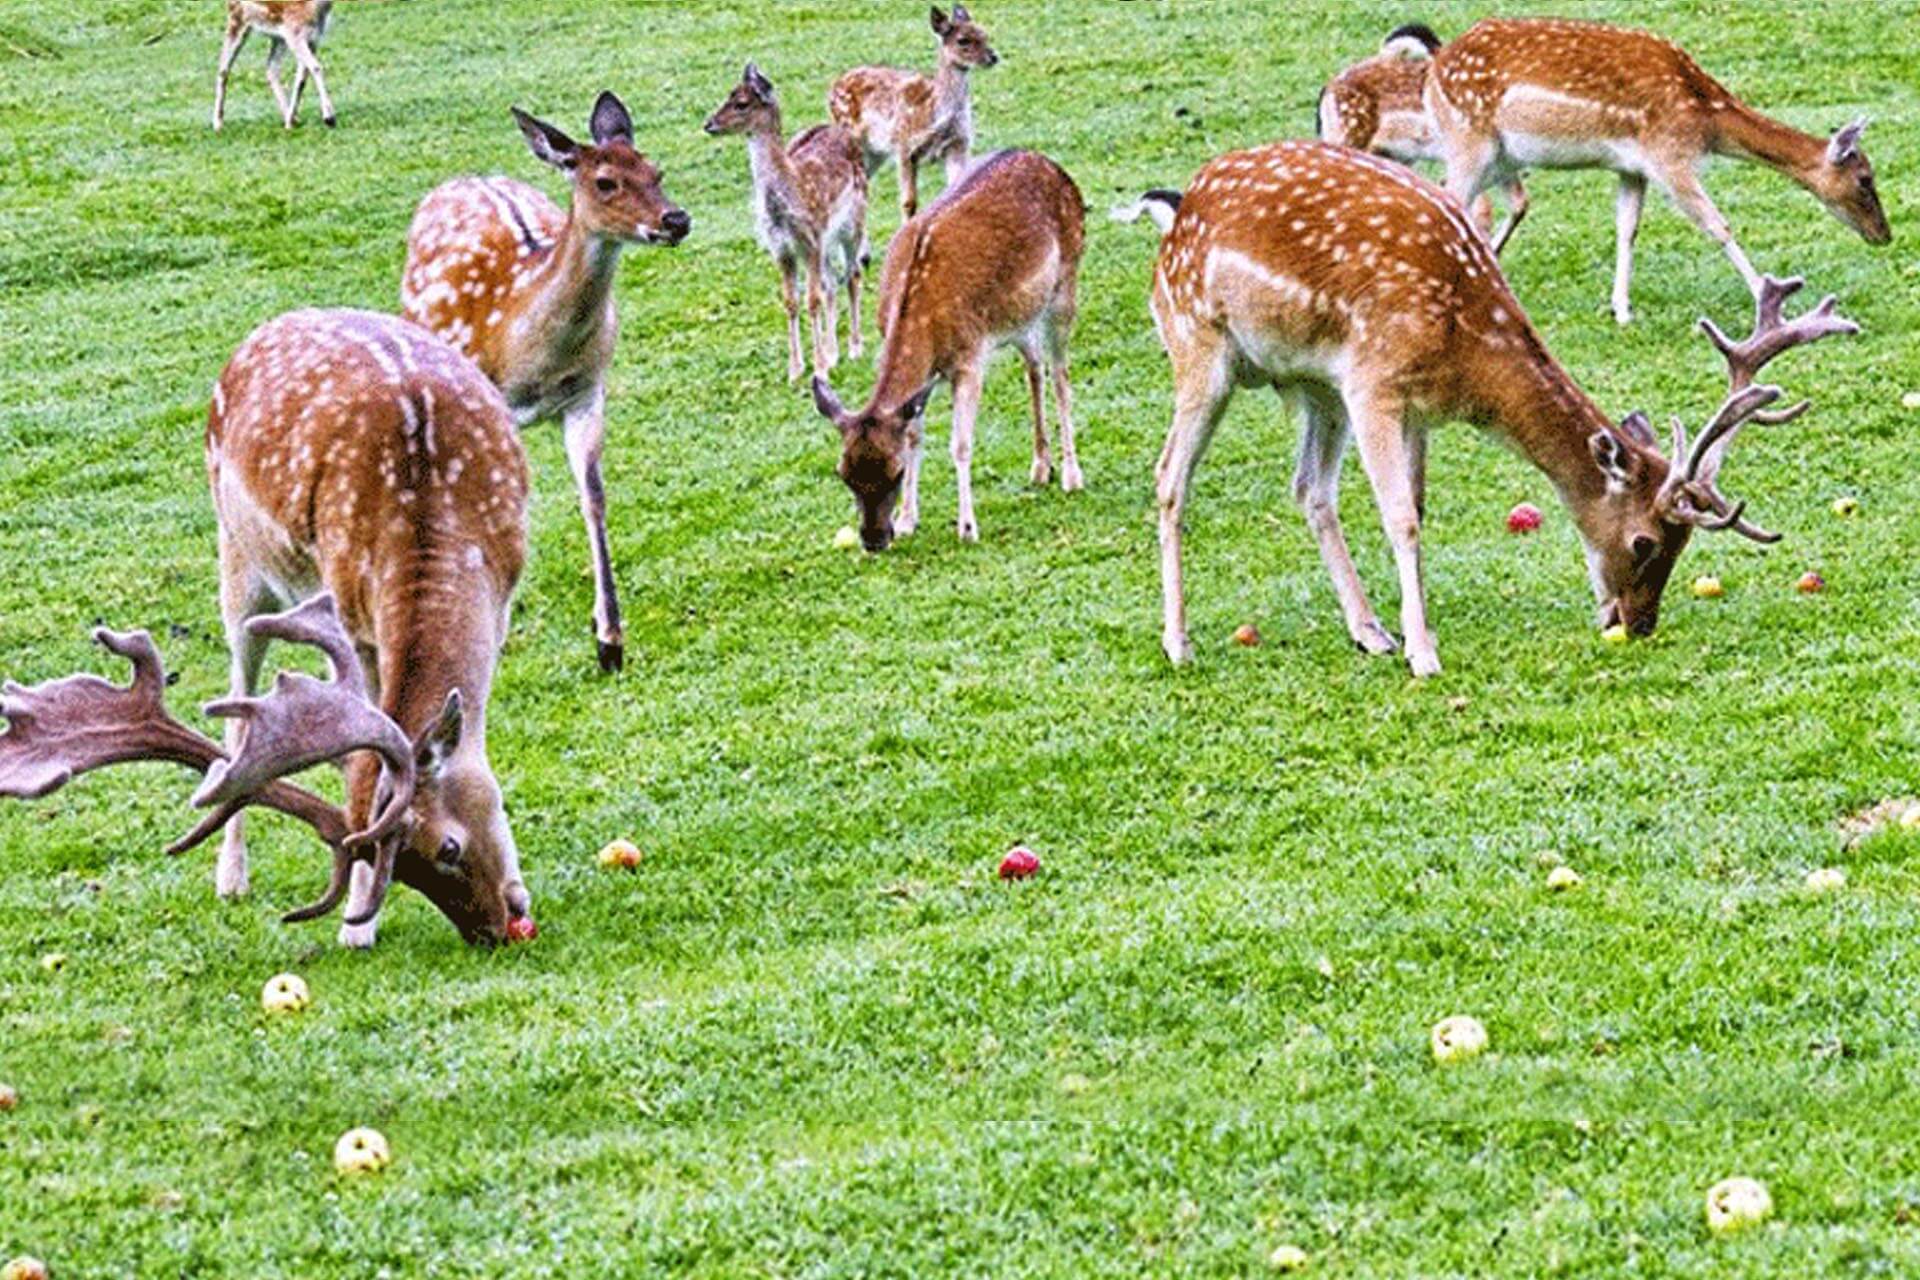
x=1378 y=105
x=526 y=291
x=289 y=25
x=371 y=496
x=1363 y=294
x=914 y=119
x=1517 y=93
x=810 y=209
x=993 y=262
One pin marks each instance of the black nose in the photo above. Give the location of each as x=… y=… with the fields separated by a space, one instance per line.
x=676 y=224
x=878 y=540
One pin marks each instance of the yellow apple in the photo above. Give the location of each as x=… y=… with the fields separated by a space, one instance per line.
x=1615 y=634
x=24 y=1268
x=1561 y=879
x=361 y=1151
x=1826 y=880
x=1707 y=587
x=1458 y=1038
x=1735 y=1204
x=53 y=961
x=1288 y=1257
x=623 y=854
x=845 y=539
x=1846 y=505
x=285 y=993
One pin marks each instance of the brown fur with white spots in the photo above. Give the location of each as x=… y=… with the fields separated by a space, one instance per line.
x=1363 y=294
x=357 y=454
x=911 y=118
x=1518 y=93
x=495 y=268
x=290 y=25
x=809 y=209
x=993 y=262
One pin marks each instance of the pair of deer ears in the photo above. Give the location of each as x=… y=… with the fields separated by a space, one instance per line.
x=833 y=411
x=942 y=24
x=610 y=124
x=1845 y=143
x=754 y=80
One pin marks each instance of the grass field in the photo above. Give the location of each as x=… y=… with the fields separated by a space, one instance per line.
x=813 y=1036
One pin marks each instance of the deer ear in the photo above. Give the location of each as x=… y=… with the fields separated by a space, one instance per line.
x=436 y=743
x=826 y=402
x=611 y=123
x=916 y=404
x=548 y=143
x=1845 y=143
x=1613 y=456
x=759 y=82
x=938 y=20
x=1637 y=427
x=960 y=14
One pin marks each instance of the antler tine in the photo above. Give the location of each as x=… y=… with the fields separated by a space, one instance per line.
x=316 y=622
x=1703 y=460
x=383 y=860
x=336 y=889
x=1772 y=333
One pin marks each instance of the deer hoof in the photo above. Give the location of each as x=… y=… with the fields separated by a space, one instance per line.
x=969 y=531
x=329 y=121
x=357 y=937
x=1178 y=648
x=613 y=656
x=1375 y=639
x=1424 y=664
x=1042 y=472
x=1071 y=481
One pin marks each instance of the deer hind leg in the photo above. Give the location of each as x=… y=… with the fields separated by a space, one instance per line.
x=1042 y=458
x=966 y=412
x=909 y=184
x=275 y=52
x=1683 y=185
x=1516 y=210
x=1627 y=203
x=1386 y=449
x=856 y=247
x=790 y=298
x=310 y=66
x=957 y=161
x=821 y=307
x=586 y=436
x=1071 y=481
x=229 y=51
x=1201 y=389
x=1316 y=487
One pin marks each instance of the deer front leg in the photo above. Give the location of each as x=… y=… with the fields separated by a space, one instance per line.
x=1516 y=210
x=363 y=781
x=790 y=298
x=229 y=50
x=1684 y=186
x=1627 y=203
x=907 y=519
x=820 y=313
x=957 y=161
x=909 y=183
x=966 y=410
x=1316 y=487
x=586 y=434
x=856 y=269
x=1071 y=481
x=240 y=599
x=275 y=53
x=1042 y=458
x=1201 y=390
x=1379 y=426
x=310 y=66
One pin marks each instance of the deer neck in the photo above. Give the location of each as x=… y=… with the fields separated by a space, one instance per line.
x=1543 y=413
x=774 y=180
x=1746 y=134
x=438 y=633
x=951 y=100
x=569 y=292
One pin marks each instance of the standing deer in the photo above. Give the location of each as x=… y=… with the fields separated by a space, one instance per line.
x=1518 y=93
x=910 y=118
x=993 y=262
x=298 y=25
x=1378 y=105
x=810 y=209
x=495 y=268
x=364 y=469
x=1362 y=294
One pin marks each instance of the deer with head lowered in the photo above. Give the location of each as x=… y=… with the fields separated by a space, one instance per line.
x=993 y=262
x=915 y=119
x=1363 y=294
x=290 y=25
x=364 y=472
x=1518 y=93
x=495 y=268
x=810 y=208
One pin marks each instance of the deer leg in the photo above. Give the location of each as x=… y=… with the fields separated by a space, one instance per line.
x=909 y=185
x=856 y=269
x=1516 y=210
x=1071 y=481
x=1627 y=203
x=1379 y=427
x=1469 y=162
x=1316 y=487
x=586 y=435
x=957 y=161
x=1042 y=459
x=821 y=311
x=229 y=51
x=907 y=519
x=966 y=410
x=363 y=781
x=275 y=52
x=240 y=599
x=1201 y=391
x=790 y=298
x=1683 y=185
x=310 y=66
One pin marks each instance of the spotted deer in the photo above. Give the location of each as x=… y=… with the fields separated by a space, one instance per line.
x=495 y=268
x=810 y=209
x=289 y=25
x=1362 y=294
x=993 y=262
x=913 y=119
x=1536 y=93
x=364 y=473
x=1378 y=105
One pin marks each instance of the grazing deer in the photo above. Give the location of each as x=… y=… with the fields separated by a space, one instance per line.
x=993 y=262
x=913 y=119
x=1378 y=105
x=363 y=468
x=1519 y=93
x=810 y=208
x=495 y=268
x=1363 y=295
x=298 y=25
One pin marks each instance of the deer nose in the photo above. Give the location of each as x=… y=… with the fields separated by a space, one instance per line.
x=676 y=224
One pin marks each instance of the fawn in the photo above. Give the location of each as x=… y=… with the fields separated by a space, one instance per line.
x=297 y=25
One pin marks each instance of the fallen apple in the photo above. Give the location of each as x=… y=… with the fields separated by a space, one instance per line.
x=24 y=1268
x=621 y=854
x=1246 y=635
x=1288 y=1257
x=1810 y=583
x=9 y=1097
x=1019 y=863
x=845 y=538
x=1825 y=880
x=1911 y=400
x=53 y=961
x=522 y=929
x=1615 y=634
x=1846 y=505
x=1735 y=1204
x=1707 y=587
x=1458 y=1038
x=1073 y=1084
x=361 y=1151
x=1562 y=879
x=1524 y=518
x=285 y=993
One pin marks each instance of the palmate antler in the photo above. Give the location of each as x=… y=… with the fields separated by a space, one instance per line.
x=61 y=729
x=1691 y=494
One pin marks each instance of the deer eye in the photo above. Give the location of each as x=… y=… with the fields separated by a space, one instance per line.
x=606 y=186
x=450 y=852
x=1644 y=549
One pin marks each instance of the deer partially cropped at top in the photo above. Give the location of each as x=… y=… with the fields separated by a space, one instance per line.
x=1362 y=294
x=993 y=262
x=810 y=209
x=913 y=119
x=363 y=471
x=1512 y=94
x=296 y=25
x=1378 y=104
x=495 y=268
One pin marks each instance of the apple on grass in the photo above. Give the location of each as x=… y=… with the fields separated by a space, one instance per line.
x=522 y=929
x=1615 y=634
x=845 y=538
x=623 y=855
x=24 y=1268
x=9 y=1097
x=1246 y=635
x=1562 y=879
x=1288 y=1257
x=1735 y=1204
x=1707 y=587
x=1019 y=863
x=1822 y=880
x=285 y=993
x=1846 y=505
x=361 y=1151
x=1810 y=583
x=1524 y=518
x=1458 y=1038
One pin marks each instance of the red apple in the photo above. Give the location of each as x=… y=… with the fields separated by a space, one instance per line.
x=1019 y=863
x=1246 y=635
x=1810 y=583
x=522 y=929
x=9 y=1097
x=1524 y=518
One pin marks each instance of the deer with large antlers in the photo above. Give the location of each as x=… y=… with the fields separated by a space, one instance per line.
x=364 y=469
x=495 y=268
x=810 y=208
x=1522 y=93
x=915 y=119
x=993 y=262
x=1363 y=294
x=295 y=26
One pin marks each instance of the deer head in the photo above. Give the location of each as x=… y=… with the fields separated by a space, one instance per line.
x=750 y=108
x=616 y=190
x=1843 y=181
x=1653 y=503
x=963 y=43
x=874 y=445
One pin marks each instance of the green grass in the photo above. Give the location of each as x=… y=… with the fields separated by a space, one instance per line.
x=813 y=1036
